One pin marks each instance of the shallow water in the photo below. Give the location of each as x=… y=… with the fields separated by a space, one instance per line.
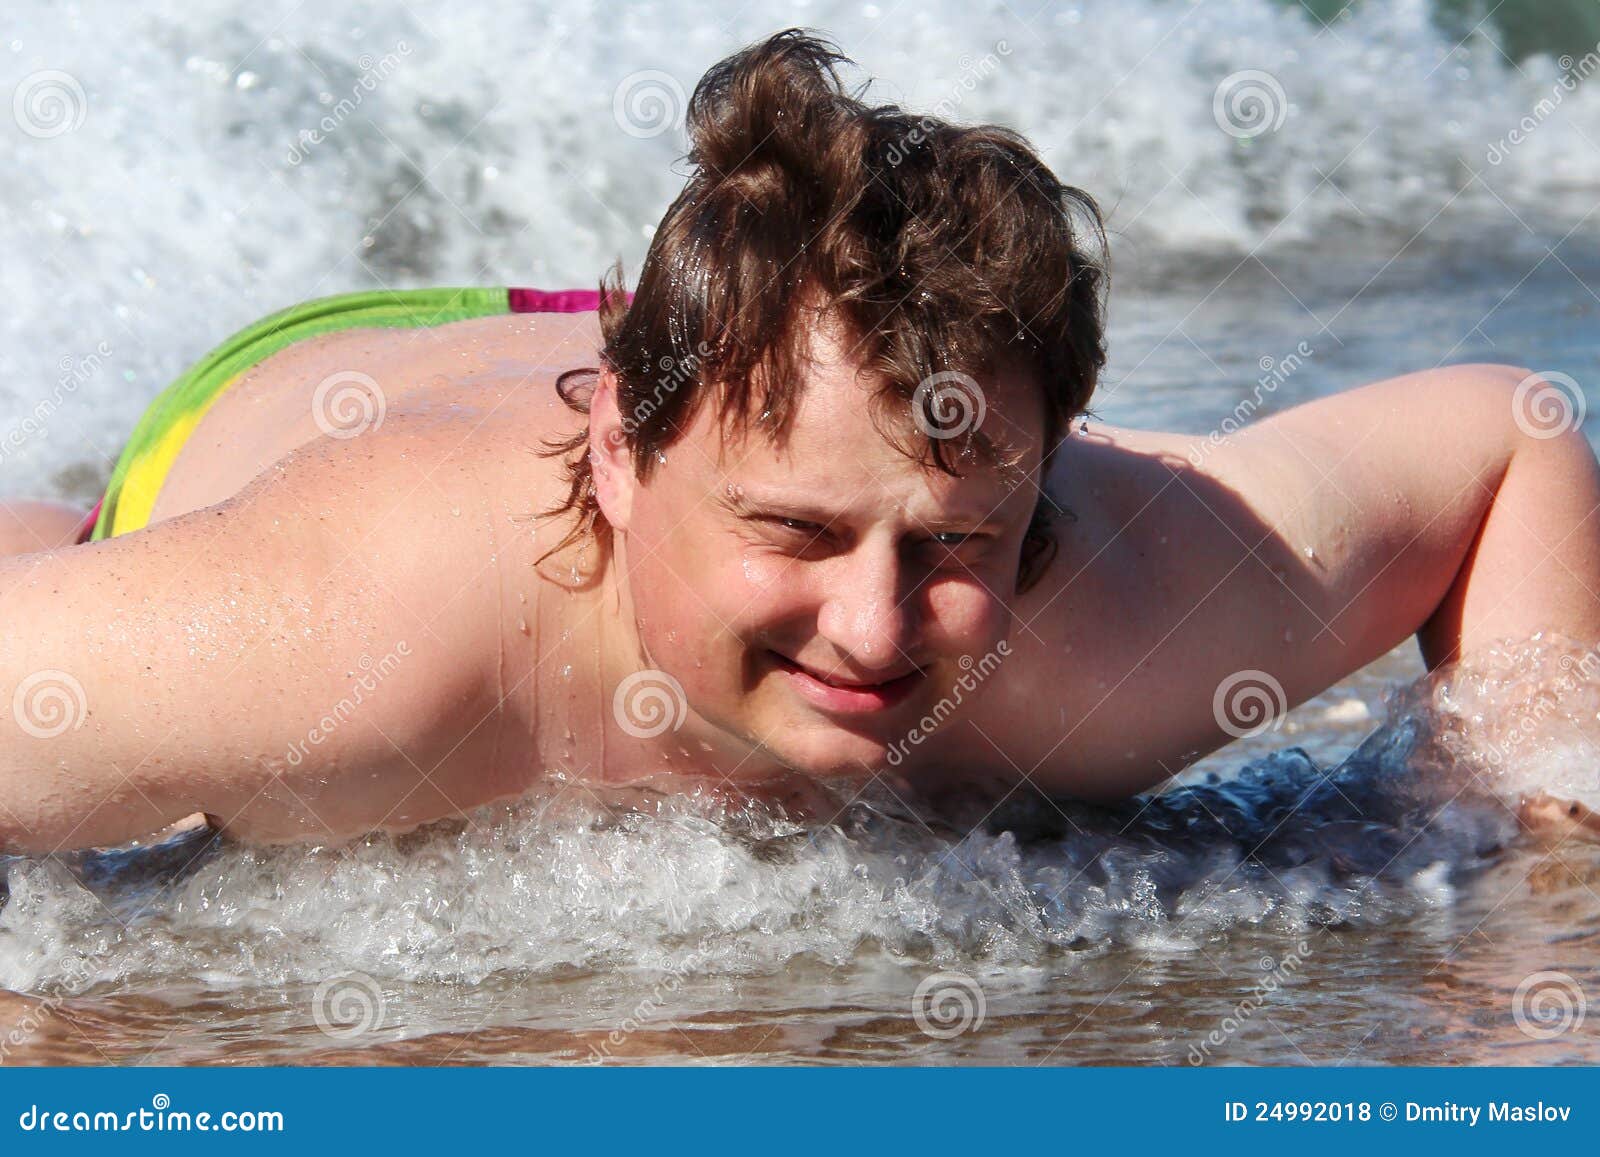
x=1373 y=826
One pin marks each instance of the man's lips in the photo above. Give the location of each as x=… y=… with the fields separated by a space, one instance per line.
x=845 y=696
x=835 y=679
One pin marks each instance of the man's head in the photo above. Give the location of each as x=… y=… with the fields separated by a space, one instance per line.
x=818 y=437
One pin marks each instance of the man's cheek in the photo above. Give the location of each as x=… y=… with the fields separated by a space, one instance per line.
x=763 y=574
x=963 y=610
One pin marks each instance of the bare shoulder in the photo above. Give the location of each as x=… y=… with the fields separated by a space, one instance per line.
x=1196 y=573
x=319 y=655
x=1086 y=699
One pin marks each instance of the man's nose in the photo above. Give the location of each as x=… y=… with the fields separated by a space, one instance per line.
x=867 y=614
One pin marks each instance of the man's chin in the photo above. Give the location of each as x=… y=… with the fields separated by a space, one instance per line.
x=825 y=752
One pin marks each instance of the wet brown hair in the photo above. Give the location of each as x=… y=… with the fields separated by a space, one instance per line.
x=943 y=250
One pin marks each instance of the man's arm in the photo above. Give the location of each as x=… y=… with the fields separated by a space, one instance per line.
x=296 y=662
x=1289 y=555
x=1482 y=506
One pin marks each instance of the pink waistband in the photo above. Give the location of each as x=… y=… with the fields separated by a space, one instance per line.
x=87 y=529
x=555 y=300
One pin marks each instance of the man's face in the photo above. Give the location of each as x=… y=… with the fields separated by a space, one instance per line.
x=816 y=599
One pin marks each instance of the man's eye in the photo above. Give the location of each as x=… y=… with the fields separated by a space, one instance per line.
x=798 y=525
x=952 y=539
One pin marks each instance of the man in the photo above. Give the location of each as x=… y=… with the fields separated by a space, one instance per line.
x=828 y=507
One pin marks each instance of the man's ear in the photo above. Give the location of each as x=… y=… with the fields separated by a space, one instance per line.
x=610 y=462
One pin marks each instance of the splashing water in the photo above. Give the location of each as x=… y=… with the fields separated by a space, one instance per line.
x=558 y=882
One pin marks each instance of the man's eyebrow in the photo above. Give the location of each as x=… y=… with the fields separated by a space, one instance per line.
x=748 y=506
x=744 y=505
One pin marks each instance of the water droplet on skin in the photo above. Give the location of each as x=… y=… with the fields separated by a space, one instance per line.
x=566 y=672
x=522 y=625
x=1288 y=636
x=1311 y=553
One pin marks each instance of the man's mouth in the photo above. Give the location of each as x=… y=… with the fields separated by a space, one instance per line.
x=839 y=695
